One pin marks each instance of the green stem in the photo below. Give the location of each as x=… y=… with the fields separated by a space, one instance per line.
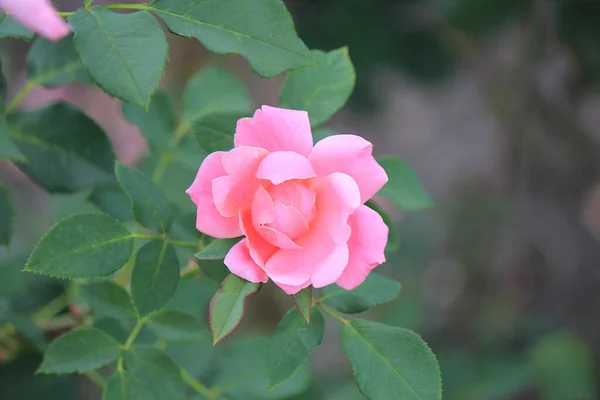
x=128 y=6
x=50 y=309
x=22 y=93
x=334 y=314
x=167 y=155
x=65 y=13
x=95 y=377
x=190 y=273
x=199 y=387
x=134 y=333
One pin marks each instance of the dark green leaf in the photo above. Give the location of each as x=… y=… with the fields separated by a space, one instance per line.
x=403 y=187
x=124 y=385
x=109 y=299
x=376 y=289
x=113 y=327
x=8 y=150
x=214 y=132
x=124 y=53
x=113 y=200
x=217 y=249
x=321 y=89
x=195 y=356
x=150 y=205
x=158 y=122
x=83 y=349
x=82 y=246
x=158 y=372
x=292 y=343
x=393 y=240
x=175 y=325
x=54 y=64
x=391 y=363
x=193 y=297
x=9 y=28
x=303 y=301
x=8 y=216
x=228 y=305
x=23 y=324
x=66 y=150
x=321 y=133
x=260 y=30
x=215 y=270
x=154 y=277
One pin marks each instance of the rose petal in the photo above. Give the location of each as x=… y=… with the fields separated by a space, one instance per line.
x=37 y=15
x=209 y=221
x=240 y=263
x=292 y=289
x=367 y=245
x=337 y=198
x=297 y=195
x=263 y=208
x=282 y=166
x=289 y=221
x=260 y=249
x=351 y=155
x=276 y=129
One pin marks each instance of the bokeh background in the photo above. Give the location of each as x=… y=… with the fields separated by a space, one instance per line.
x=496 y=105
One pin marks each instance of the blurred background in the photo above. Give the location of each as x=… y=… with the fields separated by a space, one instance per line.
x=496 y=104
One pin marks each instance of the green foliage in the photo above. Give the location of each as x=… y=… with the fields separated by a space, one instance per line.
x=125 y=54
x=376 y=289
x=228 y=305
x=124 y=385
x=260 y=30
x=83 y=349
x=214 y=132
x=391 y=363
x=54 y=64
x=321 y=89
x=65 y=150
x=8 y=150
x=292 y=343
x=112 y=200
x=158 y=122
x=217 y=249
x=304 y=302
x=403 y=186
x=109 y=299
x=9 y=28
x=393 y=239
x=155 y=277
x=175 y=325
x=82 y=246
x=8 y=216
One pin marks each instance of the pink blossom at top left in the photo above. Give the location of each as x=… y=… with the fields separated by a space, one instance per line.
x=37 y=15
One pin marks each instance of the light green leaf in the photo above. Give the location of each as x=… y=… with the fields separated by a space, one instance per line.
x=82 y=246
x=175 y=325
x=393 y=242
x=213 y=90
x=214 y=132
x=54 y=64
x=151 y=207
x=154 y=277
x=391 y=363
x=404 y=186
x=124 y=385
x=262 y=31
x=321 y=89
x=376 y=289
x=83 y=349
x=217 y=249
x=158 y=372
x=292 y=343
x=9 y=28
x=109 y=299
x=65 y=149
x=8 y=216
x=112 y=200
x=303 y=301
x=125 y=54
x=228 y=305
x=158 y=122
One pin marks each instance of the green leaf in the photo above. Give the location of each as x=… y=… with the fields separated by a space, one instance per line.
x=214 y=132
x=262 y=31
x=151 y=207
x=124 y=385
x=158 y=122
x=303 y=301
x=321 y=89
x=376 y=289
x=154 y=277
x=321 y=133
x=215 y=270
x=391 y=363
x=65 y=149
x=228 y=305
x=157 y=370
x=82 y=246
x=125 y=54
x=393 y=242
x=213 y=90
x=403 y=187
x=8 y=150
x=109 y=299
x=292 y=343
x=217 y=249
x=175 y=325
x=83 y=349
x=9 y=28
x=8 y=216
x=55 y=64
x=112 y=200
x=22 y=323
x=193 y=297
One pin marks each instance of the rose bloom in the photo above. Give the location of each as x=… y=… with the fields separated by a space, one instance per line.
x=37 y=15
x=301 y=208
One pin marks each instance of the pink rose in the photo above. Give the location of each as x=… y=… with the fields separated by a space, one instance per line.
x=37 y=15
x=301 y=208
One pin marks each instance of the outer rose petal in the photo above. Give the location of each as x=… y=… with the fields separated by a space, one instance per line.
x=367 y=245
x=351 y=155
x=292 y=289
x=240 y=263
x=37 y=15
x=260 y=249
x=276 y=129
x=282 y=166
x=209 y=220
